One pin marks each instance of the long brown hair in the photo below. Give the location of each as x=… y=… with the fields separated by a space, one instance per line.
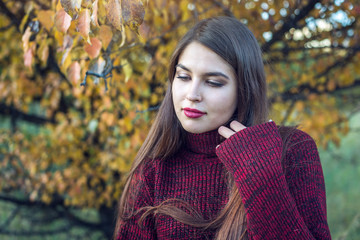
x=236 y=44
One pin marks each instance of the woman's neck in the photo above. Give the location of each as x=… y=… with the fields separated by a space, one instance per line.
x=203 y=143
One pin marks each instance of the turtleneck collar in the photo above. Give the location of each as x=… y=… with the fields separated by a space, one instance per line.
x=203 y=143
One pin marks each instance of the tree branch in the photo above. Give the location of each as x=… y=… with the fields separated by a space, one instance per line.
x=78 y=221
x=339 y=63
x=12 y=111
x=28 y=203
x=288 y=95
x=225 y=9
x=10 y=218
x=289 y=23
x=288 y=112
x=37 y=233
x=9 y=14
x=3 y=29
x=61 y=211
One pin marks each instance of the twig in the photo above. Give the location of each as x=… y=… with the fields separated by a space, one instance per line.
x=6 y=109
x=289 y=22
x=353 y=223
x=37 y=233
x=6 y=27
x=105 y=74
x=288 y=112
x=10 y=218
x=13 y=18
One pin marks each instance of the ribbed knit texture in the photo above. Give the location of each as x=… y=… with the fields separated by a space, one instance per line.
x=278 y=205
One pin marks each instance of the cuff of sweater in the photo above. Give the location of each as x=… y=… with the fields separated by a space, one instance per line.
x=253 y=152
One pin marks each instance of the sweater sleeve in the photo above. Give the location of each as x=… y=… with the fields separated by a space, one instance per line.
x=142 y=189
x=278 y=205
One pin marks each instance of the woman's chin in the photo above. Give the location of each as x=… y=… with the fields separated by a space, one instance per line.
x=197 y=129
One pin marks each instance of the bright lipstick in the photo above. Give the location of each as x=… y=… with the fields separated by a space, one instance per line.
x=193 y=113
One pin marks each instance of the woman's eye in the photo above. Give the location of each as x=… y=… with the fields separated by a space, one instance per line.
x=215 y=84
x=184 y=78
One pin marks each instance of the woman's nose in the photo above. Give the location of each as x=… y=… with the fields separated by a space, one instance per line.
x=194 y=92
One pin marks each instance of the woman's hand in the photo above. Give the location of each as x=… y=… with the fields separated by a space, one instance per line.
x=235 y=126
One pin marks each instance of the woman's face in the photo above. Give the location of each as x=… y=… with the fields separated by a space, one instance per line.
x=204 y=89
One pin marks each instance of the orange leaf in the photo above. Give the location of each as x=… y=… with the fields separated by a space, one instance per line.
x=94 y=48
x=28 y=57
x=84 y=24
x=74 y=72
x=62 y=21
x=144 y=30
x=105 y=35
x=25 y=39
x=113 y=13
x=133 y=13
x=331 y=85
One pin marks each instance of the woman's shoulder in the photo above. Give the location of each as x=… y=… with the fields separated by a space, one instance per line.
x=293 y=135
x=301 y=138
x=300 y=147
x=150 y=165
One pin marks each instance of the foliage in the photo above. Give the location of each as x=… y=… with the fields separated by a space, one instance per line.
x=83 y=139
x=341 y=171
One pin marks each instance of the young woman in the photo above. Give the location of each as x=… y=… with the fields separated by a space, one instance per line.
x=212 y=165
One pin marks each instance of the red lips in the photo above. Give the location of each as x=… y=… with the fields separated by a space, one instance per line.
x=193 y=113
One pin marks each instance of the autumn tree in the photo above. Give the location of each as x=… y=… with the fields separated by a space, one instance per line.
x=65 y=147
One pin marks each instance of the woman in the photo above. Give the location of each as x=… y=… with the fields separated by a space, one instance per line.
x=212 y=166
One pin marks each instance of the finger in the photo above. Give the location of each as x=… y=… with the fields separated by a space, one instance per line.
x=237 y=126
x=225 y=132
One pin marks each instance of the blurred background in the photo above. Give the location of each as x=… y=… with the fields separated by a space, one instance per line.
x=65 y=148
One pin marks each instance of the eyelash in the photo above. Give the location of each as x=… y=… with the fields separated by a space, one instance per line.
x=183 y=77
x=215 y=84
x=211 y=83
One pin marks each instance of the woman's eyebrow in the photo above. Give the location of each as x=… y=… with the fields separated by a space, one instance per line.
x=216 y=74
x=208 y=74
x=183 y=67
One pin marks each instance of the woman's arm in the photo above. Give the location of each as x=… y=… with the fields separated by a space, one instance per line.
x=278 y=206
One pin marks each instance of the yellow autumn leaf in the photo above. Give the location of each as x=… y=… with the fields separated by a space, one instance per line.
x=46 y=18
x=43 y=52
x=127 y=68
x=105 y=35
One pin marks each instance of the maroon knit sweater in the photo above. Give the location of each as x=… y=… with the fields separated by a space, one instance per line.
x=280 y=203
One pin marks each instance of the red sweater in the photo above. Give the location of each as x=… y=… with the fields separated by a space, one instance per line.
x=279 y=204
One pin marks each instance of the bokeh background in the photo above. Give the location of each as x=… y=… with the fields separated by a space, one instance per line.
x=65 y=148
